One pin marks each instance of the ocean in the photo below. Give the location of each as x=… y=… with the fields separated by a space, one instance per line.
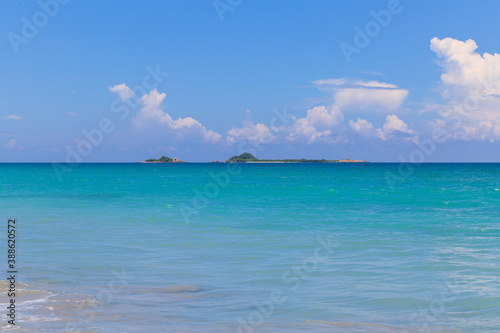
x=214 y=247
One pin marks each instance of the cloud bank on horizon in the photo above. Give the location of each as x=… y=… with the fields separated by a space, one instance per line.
x=469 y=87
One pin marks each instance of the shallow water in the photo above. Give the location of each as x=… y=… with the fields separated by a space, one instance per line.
x=258 y=247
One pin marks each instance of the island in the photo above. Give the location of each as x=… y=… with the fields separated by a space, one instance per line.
x=163 y=159
x=249 y=158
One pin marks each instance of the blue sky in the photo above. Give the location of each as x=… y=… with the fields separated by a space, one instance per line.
x=268 y=77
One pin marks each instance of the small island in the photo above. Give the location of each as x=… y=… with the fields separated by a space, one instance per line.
x=249 y=158
x=164 y=159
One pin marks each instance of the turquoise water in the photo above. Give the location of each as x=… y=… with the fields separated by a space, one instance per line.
x=255 y=247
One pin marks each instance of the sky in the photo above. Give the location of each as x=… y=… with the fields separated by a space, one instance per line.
x=203 y=80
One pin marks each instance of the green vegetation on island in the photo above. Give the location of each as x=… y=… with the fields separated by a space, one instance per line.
x=245 y=157
x=163 y=159
x=249 y=158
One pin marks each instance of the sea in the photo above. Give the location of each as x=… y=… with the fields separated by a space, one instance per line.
x=229 y=247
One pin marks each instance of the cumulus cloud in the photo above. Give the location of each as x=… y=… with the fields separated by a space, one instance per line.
x=362 y=95
x=362 y=127
x=256 y=133
x=122 y=90
x=394 y=127
x=470 y=85
x=13 y=117
x=391 y=129
x=152 y=114
x=319 y=123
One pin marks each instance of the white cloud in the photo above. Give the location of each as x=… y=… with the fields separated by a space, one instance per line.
x=335 y=82
x=151 y=114
x=470 y=84
x=391 y=129
x=13 y=144
x=321 y=118
x=319 y=123
x=394 y=126
x=257 y=133
x=362 y=127
x=359 y=95
x=379 y=100
x=122 y=90
x=13 y=117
